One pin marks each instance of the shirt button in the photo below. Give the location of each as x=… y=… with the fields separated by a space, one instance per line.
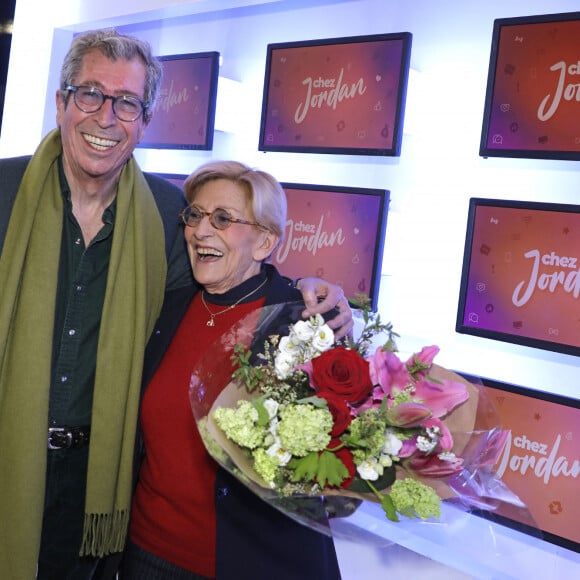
x=78 y=288
x=221 y=492
x=63 y=379
x=78 y=241
x=72 y=332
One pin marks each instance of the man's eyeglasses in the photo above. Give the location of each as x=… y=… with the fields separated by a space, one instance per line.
x=219 y=218
x=91 y=99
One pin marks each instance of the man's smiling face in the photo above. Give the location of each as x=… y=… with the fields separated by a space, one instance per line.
x=97 y=145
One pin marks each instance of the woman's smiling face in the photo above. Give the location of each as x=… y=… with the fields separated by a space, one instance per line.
x=223 y=259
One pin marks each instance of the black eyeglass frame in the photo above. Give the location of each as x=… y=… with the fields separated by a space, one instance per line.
x=114 y=100
x=185 y=215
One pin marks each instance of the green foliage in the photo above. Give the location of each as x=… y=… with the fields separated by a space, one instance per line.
x=325 y=468
x=389 y=507
x=386 y=502
x=250 y=375
x=263 y=415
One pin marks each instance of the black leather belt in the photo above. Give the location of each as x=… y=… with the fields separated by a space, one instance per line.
x=68 y=437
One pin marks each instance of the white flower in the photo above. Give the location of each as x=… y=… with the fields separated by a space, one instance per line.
x=323 y=338
x=392 y=444
x=279 y=453
x=434 y=432
x=304 y=330
x=288 y=345
x=447 y=456
x=273 y=426
x=386 y=460
x=284 y=364
x=272 y=407
x=370 y=469
x=425 y=444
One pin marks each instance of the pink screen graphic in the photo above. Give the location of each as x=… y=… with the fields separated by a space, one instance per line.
x=536 y=93
x=524 y=274
x=336 y=95
x=181 y=113
x=541 y=460
x=335 y=236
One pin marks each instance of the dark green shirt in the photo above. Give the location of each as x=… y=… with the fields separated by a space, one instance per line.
x=82 y=280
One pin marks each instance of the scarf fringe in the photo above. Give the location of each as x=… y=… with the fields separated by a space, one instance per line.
x=104 y=533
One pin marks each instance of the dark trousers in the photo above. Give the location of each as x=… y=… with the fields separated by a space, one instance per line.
x=138 y=564
x=62 y=528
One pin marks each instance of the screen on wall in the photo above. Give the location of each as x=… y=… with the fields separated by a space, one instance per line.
x=335 y=233
x=531 y=103
x=540 y=462
x=184 y=112
x=336 y=95
x=520 y=281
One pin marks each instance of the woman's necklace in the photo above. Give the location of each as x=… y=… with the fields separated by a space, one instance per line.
x=212 y=315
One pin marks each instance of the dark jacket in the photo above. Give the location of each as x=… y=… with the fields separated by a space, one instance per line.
x=168 y=197
x=253 y=538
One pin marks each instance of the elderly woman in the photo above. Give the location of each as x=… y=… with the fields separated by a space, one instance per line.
x=190 y=519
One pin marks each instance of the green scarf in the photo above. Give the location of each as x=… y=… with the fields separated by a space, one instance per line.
x=28 y=280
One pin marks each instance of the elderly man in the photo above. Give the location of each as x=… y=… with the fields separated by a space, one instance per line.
x=89 y=245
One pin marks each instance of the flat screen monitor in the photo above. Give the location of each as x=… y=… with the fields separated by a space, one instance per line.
x=336 y=95
x=531 y=103
x=336 y=233
x=184 y=113
x=520 y=280
x=540 y=462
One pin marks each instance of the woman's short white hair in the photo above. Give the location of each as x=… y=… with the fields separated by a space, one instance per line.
x=266 y=195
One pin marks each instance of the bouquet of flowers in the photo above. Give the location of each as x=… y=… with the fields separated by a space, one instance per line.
x=305 y=416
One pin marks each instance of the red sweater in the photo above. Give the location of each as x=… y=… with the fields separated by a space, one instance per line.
x=173 y=514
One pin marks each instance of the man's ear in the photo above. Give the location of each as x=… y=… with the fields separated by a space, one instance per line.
x=60 y=106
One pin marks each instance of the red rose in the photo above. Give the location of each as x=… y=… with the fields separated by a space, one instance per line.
x=339 y=410
x=342 y=371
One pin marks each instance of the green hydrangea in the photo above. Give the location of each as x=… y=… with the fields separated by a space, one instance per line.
x=265 y=464
x=240 y=424
x=215 y=450
x=366 y=435
x=412 y=498
x=304 y=428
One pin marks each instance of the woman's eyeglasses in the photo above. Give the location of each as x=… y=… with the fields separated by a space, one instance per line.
x=219 y=218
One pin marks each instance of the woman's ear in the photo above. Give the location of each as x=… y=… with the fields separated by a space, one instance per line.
x=266 y=245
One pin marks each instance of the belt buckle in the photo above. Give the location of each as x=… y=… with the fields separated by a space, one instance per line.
x=69 y=437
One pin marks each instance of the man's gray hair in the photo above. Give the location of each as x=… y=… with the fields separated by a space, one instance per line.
x=114 y=46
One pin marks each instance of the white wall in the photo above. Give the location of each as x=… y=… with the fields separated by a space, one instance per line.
x=430 y=183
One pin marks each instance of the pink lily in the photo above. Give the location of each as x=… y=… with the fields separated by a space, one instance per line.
x=393 y=377
x=374 y=400
x=436 y=463
x=408 y=415
x=441 y=397
x=425 y=357
x=434 y=466
x=387 y=371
